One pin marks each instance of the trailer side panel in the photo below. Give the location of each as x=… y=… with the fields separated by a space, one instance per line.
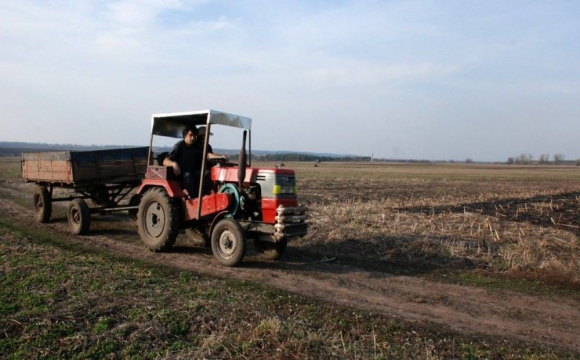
x=74 y=167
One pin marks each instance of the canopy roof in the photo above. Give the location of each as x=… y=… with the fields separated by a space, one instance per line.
x=172 y=124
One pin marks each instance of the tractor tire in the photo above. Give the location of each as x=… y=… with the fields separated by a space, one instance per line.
x=228 y=242
x=79 y=217
x=42 y=204
x=134 y=201
x=270 y=251
x=158 y=220
x=197 y=238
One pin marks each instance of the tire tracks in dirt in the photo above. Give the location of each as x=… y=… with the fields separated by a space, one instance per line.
x=540 y=320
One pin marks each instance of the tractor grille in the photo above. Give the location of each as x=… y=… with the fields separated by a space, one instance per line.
x=290 y=221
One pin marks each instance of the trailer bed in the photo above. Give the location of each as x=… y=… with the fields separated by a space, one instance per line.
x=77 y=168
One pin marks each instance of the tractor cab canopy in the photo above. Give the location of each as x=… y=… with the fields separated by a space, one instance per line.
x=172 y=124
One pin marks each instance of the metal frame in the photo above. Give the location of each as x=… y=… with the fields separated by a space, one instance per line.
x=118 y=192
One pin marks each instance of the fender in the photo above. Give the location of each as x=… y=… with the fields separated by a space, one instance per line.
x=171 y=186
x=215 y=220
x=210 y=205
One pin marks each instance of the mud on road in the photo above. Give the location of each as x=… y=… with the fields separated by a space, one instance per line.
x=533 y=319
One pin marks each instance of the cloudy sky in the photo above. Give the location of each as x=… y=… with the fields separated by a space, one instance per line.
x=400 y=79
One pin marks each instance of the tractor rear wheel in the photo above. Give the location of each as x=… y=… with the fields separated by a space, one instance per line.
x=228 y=242
x=270 y=251
x=158 y=220
x=79 y=217
x=42 y=204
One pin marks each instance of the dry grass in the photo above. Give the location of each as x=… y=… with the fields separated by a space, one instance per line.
x=521 y=222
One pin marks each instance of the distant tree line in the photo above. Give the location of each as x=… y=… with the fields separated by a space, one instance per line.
x=303 y=157
x=15 y=149
x=40 y=147
x=543 y=159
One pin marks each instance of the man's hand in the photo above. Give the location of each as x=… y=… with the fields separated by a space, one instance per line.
x=176 y=168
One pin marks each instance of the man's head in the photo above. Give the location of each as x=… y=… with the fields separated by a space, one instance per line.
x=189 y=135
x=201 y=132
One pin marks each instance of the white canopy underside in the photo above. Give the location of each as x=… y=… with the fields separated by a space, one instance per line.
x=172 y=124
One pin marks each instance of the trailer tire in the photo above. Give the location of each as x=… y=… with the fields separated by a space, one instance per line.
x=228 y=242
x=79 y=217
x=270 y=251
x=158 y=220
x=42 y=204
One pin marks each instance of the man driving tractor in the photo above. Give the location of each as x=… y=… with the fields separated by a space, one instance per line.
x=186 y=158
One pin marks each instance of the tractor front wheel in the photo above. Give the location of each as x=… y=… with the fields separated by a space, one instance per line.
x=158 y=220
x=228 y=242
x=270 y=251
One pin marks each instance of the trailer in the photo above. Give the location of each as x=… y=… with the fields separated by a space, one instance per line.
x=104 y=177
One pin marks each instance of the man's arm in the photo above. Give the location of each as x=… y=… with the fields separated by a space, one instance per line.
x=173 y=164
x=212 y=156
x=170 y=159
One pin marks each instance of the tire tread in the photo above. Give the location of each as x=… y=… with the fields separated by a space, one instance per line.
x=167 y=239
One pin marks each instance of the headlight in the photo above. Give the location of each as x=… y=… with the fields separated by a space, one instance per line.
x=279 y=189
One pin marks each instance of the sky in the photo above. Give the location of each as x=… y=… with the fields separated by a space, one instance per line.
x=440 y=80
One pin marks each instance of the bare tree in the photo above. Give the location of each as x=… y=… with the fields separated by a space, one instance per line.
x=511 y=160
x=544 y=159
x=468 y=161
x=558 y=158
x=524 y=159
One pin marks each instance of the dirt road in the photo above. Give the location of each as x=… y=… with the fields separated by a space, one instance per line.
x=466 y=309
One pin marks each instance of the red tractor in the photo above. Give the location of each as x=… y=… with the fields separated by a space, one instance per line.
x=240 y=202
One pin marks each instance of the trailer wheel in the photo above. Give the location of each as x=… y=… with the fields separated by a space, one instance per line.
x=79 y=217
x=228 y=242
x=158 y=220
x=270 y=251
x=42 y=204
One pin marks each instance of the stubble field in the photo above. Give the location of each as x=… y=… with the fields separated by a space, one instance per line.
x=505 y=221
x=401 y=261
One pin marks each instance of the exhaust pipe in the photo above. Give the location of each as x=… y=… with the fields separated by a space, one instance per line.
x=242 y=163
